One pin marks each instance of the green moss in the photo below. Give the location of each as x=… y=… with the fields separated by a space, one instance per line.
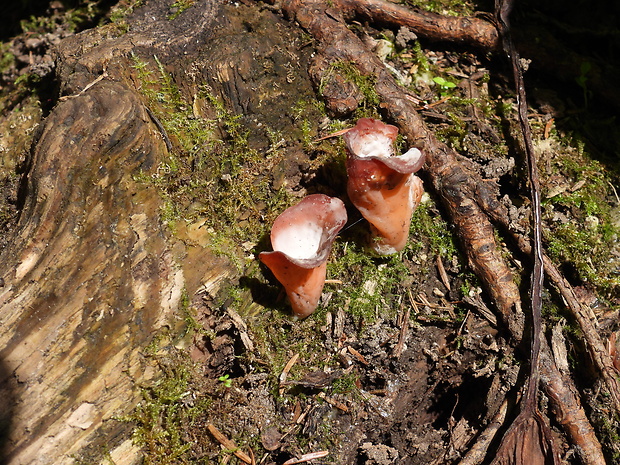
x=345 y=384
x=179 y=7
x=365 y=84
x=166 y=412
x=372 y=284
x=446 y=7
x=76 y=19
x=430 y=233
x=212 y=172
x=6 y=57
x=610 y=432
x=586 y=239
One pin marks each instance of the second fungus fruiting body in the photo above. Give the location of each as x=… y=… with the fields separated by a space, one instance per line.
x=381 y=185
x=302 y=238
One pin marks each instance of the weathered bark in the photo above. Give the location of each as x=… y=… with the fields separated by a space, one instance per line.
x=91 y=273
x=89 y=276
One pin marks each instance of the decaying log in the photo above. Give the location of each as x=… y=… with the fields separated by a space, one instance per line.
x=89 y=276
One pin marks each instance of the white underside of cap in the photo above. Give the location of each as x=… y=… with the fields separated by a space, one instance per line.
x=299 y=241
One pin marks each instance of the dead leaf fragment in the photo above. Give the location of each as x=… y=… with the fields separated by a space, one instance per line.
x=528 y=441
x=270 y=438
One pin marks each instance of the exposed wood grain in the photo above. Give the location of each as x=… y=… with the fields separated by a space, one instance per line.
x=90 y=274
x=88 y=277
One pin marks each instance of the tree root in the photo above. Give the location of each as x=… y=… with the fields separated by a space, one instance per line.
x=546 y=52
x=471 y=31
x=469 y=200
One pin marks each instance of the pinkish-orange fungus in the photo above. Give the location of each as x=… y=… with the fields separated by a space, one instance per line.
x=381 y=185
x=302 y=237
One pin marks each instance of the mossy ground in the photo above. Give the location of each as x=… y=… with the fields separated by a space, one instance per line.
x=218 y=179
x=216 y=176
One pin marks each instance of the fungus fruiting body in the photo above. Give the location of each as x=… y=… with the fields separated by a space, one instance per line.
x=381 y=185
x=302 y=237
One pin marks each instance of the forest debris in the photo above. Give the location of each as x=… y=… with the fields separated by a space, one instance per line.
x=568 y=410
x=333 y=402
x=466 y=197
x=318 y=379
x=334 y=134
x=612 y=349
x=360 y=358
x=339 y=321
x=307 y=457
x=558 y=348
x=378 y=454
x=457 y=186
x=271 y=438
x=86 y=87
x=297 y=413
x=477 y=302
x=442 y=273
x=528 y=439
x=403 y=324
x=460 y=434
x=228 y=444
x=548 y=127
x=242 y=328
x=286 y=370
x=478 y=451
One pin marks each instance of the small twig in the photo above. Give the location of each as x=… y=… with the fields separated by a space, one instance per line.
x=548 y=127
x=442 y=273
x=333 y=402
x=228 y=444
x=286 y=370
x=333 y=134
x=428 y=106
x=242 y=328
x=503 y=10
x=88 y=86
x=615 y=191
x=403 y=321
x=307 y=457
x=478 y=451
x=161 y=128
x=360 y=358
